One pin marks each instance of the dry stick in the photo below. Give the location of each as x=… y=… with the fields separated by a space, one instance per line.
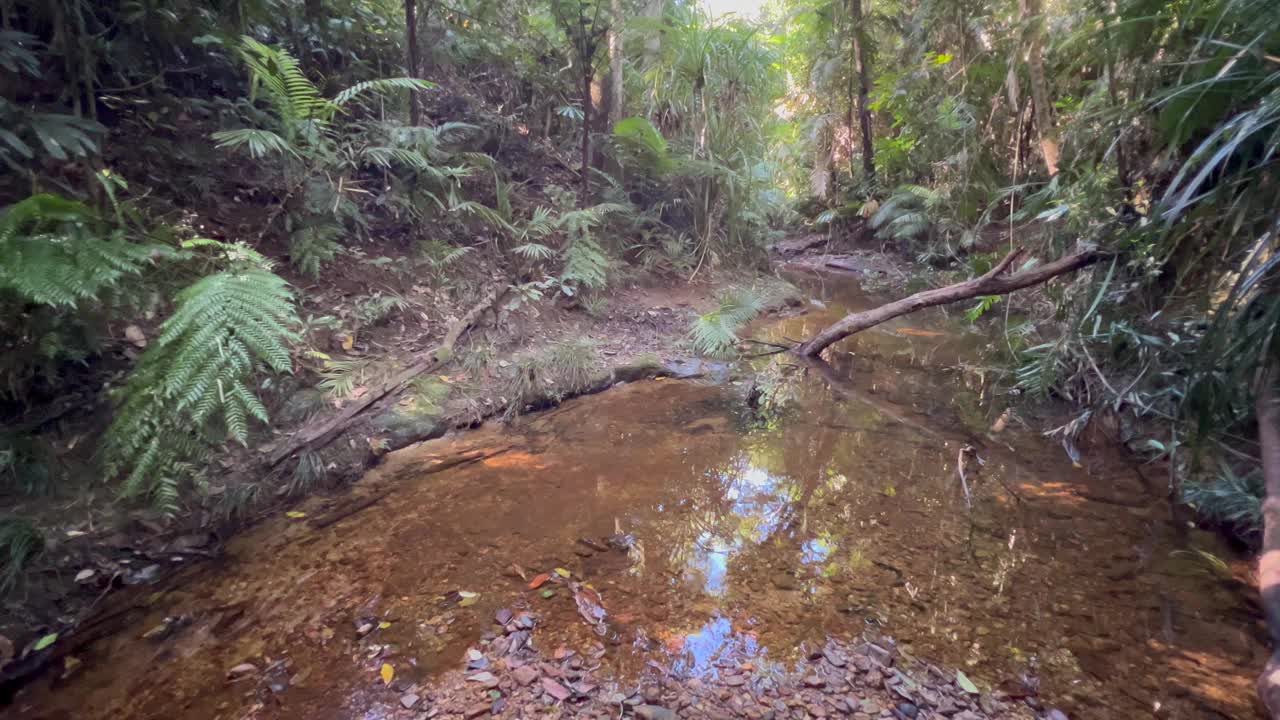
x=995 y=282
x=319 y=435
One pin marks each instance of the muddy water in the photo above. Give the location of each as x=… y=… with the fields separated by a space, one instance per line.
x=721 y=522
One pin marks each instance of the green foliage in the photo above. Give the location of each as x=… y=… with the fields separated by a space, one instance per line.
x=20 y=544
x=195 y=381
x=716 y=333
x=54 y=251
x=1231 y=500
x=557 y=372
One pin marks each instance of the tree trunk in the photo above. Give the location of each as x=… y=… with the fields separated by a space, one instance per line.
x=864 y=89
x=1030 y=11
x=584 y=196
x=411 y=57
x=1269 y=562
x=615 y=63
x=993 y=283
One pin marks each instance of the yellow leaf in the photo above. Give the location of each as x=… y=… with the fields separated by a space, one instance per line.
x=384 y=625
x=562 y=572
x=348 y=341
x=467 y=602
x=388 y=673
x=295 y=514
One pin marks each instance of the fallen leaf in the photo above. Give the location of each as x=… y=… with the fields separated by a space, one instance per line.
x=85 y=574
x=590 y=604
x=519 y=571
x=295 y=514
x=965 y=683
x=384 y=625
x=482 y=677
x=562 y=572
x=242 y=669
x=388 y=673
x=548 y=594
x=326 y=633
x=348 y=342
x=69 y=665
x=538 y=581
x=45 y=642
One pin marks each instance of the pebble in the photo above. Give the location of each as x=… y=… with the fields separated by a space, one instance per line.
x=654 y=712
x=814 y=681
x=907 y=710
x=408 y=700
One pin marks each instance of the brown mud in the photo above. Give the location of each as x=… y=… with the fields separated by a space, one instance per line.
x=702 y=542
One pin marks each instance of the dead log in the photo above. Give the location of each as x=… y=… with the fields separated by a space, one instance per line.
x=321 y=433
x=995 y=282
x=1269 y=560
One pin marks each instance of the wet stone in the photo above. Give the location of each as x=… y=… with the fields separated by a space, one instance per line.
x=525 y=675
x=907 y=710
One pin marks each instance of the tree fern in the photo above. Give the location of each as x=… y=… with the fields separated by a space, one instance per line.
x=194 y=381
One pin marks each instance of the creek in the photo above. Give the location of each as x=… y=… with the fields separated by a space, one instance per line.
x=738 y=517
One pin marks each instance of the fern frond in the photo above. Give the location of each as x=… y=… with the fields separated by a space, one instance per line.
x=195 y=373
x=382 y=85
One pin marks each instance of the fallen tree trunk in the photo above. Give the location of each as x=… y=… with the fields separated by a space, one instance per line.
x=995 y=282
x=320 y=434
x=1269 y=561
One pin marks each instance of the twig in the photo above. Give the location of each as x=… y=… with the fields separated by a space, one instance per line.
x=968 y=500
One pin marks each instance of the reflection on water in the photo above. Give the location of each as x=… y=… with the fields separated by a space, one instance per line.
x=755 y=517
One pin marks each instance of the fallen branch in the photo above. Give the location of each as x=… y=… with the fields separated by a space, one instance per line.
x=320 y=434
x=995 y=282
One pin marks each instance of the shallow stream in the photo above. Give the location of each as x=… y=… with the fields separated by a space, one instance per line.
x=740 y=517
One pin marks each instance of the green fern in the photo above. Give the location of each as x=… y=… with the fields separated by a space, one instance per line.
x=314 y=246
x=20 y=544
x=194 y=382
x=52 y=253
x=716 y=333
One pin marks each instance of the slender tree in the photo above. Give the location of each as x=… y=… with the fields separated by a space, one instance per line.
x=864 y=86
x=1031 y=14
x=411 y=57
x=586 y=23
